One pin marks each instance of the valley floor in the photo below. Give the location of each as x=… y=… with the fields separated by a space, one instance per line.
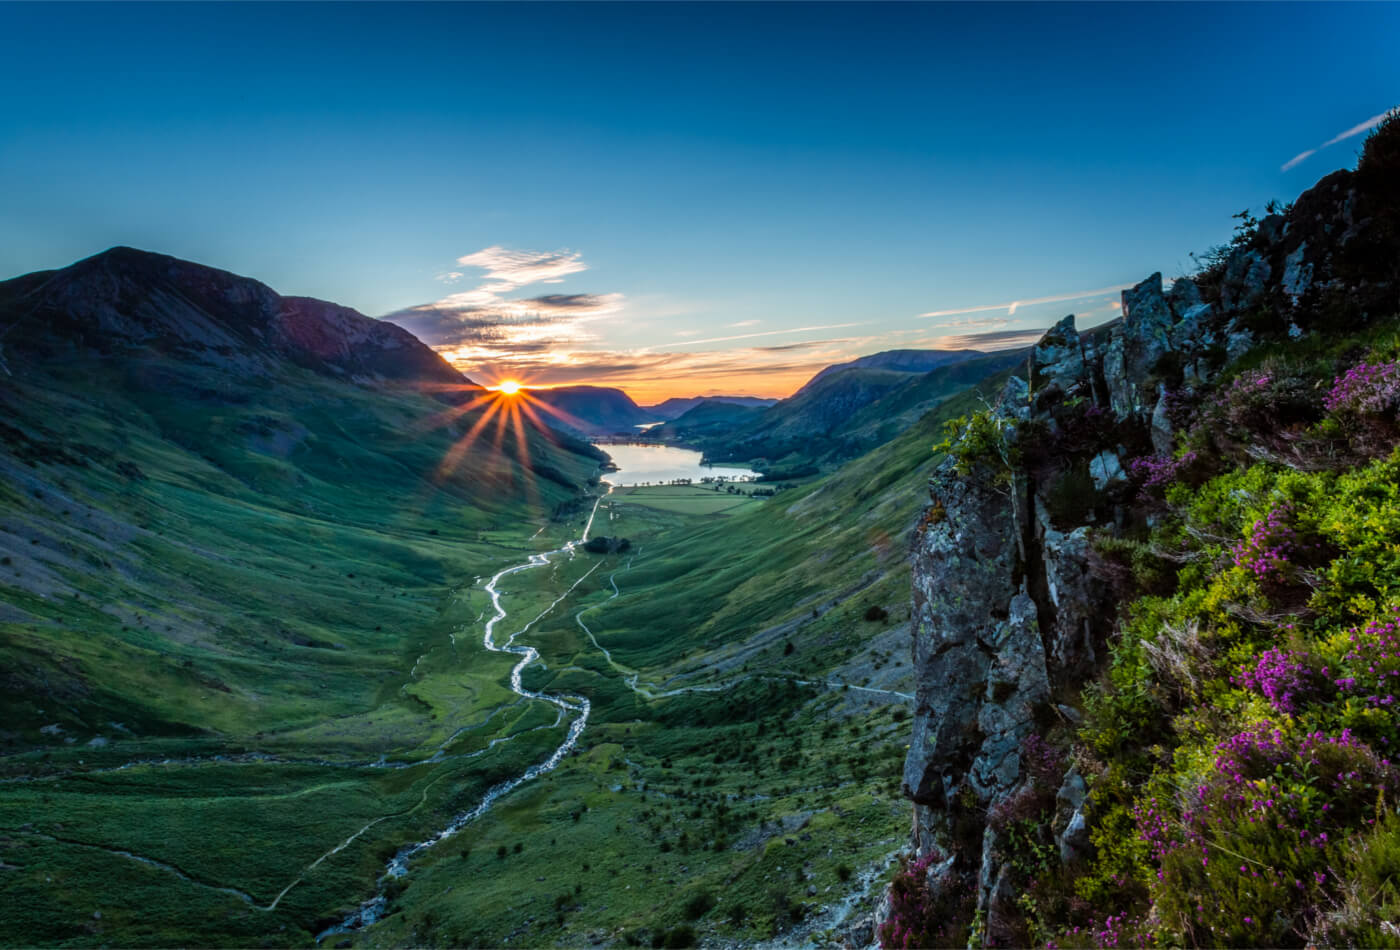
x=738 y=774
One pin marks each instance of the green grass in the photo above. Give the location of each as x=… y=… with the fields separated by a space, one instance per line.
x=321 y=605
x=687 y=499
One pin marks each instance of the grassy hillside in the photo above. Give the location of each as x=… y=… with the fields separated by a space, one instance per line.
x=242 y=638
x=749 y=806
x=844 y=412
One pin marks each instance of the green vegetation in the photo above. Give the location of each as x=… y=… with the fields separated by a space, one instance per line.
x=689 y=499
x=242 y=636
x=1239 y=744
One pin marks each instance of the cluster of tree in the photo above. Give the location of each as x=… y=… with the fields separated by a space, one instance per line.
x=605 y=545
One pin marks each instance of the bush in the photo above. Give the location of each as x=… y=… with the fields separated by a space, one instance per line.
x=682 y=936
x=1380 y=154
x=699 y=905
x=924 y=913
x=1249 y=858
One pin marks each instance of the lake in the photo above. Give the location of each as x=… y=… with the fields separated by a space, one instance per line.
x=656 y=464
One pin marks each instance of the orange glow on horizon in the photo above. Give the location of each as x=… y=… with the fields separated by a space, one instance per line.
x=510 y=387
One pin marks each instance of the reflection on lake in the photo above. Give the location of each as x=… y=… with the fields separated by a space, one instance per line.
x=655 y=464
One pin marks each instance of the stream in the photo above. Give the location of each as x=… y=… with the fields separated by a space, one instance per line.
x=567 y=703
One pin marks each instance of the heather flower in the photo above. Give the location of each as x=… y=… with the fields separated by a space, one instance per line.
x=1270 y=546
x=1282 y=676
x=924 y=912
x=1238 y=853
x=1367 y=388
x=1158 y=471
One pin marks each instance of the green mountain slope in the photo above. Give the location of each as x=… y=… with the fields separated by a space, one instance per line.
x=849 y=409
x=190 y=549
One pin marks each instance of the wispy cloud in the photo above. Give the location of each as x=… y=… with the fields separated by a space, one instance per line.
x=1014 y=305
x=483 y=321
x=750 y=336
x=993 y=340
x=507 y=269
x=1355 y=130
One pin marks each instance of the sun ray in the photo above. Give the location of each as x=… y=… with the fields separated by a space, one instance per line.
x=523 y=447
x=452 y=413
x=558 y=413
x=460 y=447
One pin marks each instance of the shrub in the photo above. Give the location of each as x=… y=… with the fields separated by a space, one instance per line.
x=922 y=915
x=1283 y=677
x=1154 y=472
x=1269 y=546
x=1366 y=388
x=699 y=905
x=1266 y=401
x=1381 y=151
x=981 y=440
x=1249 y=857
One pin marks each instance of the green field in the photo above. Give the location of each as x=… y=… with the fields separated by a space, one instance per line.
x=242 y=675
x=688 y=499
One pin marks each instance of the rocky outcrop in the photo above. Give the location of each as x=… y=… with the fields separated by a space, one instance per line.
x=1010 y=618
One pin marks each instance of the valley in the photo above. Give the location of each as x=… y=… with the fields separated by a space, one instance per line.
x=289 y=658
x=213 y=843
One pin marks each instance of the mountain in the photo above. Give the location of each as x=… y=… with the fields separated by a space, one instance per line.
x=708 y=418
x=849 y=408
x=124 y=300
x=1155 y=609
x=592 y=410
x=213 y=498
x=674 y=407
x=900 y=361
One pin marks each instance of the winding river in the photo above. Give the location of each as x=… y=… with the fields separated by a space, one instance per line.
x=567 y=703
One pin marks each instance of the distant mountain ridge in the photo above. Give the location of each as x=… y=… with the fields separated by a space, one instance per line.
x=677 y=406
x=900 y=361
x=850 y=407
x=128 y=298
x=592 y=410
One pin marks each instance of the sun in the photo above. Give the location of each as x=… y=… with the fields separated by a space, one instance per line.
x=510 y=387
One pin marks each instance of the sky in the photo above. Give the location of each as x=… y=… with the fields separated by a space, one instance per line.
x=678 y=199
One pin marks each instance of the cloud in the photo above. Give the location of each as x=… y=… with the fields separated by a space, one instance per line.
x=1298 y=159
x=483 y=321
x=993 y=340
x=507 y=269
x=1357 y=129
x=749 y=336
x=1012 y=307
x=743 y=323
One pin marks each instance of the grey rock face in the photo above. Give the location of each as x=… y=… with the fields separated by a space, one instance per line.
x=1162 y=434
x=1246 y=276
x=1071 y=826
x=1297 y=273
x=1143 y=338
x=1059 y=358
x=1106 y=469
x=963 y=571
x=1072 y=589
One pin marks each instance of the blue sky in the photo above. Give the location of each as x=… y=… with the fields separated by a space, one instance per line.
x=676 y=198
